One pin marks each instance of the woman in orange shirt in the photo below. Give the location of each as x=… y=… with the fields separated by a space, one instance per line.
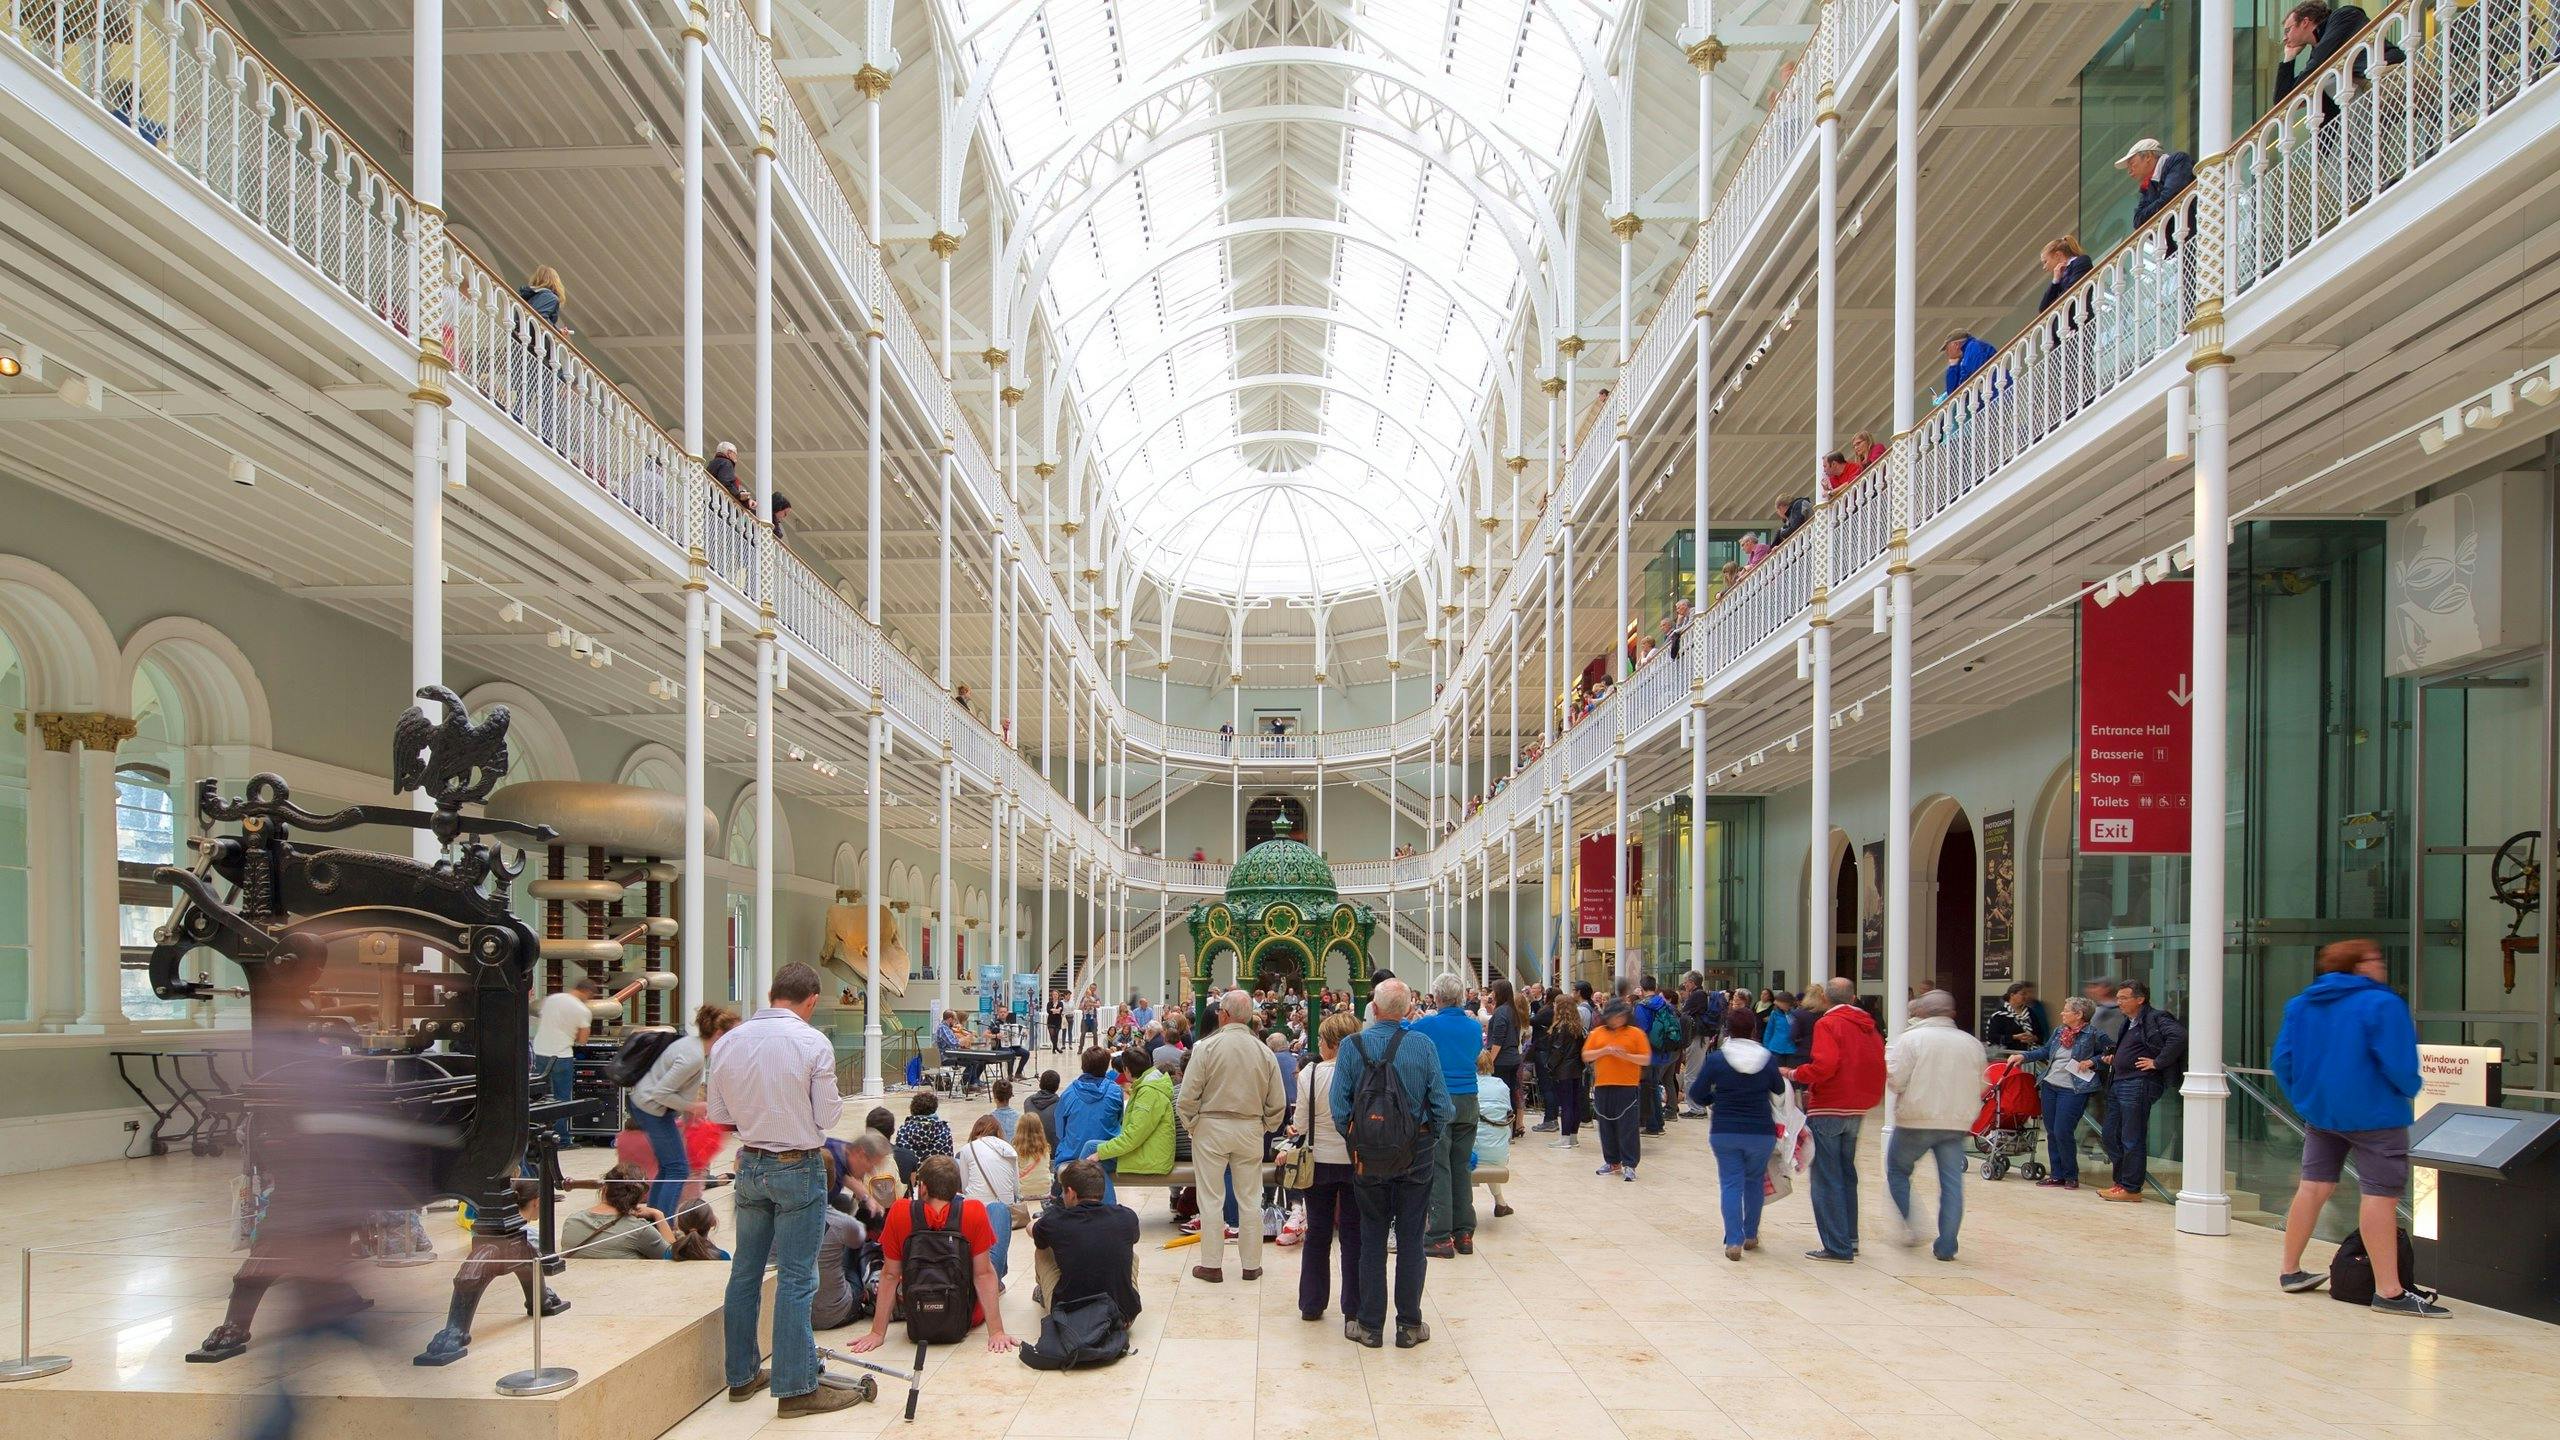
x=1617 y=1053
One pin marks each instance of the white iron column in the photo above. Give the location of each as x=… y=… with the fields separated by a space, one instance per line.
x=1906 y=385
x=1395 y=794
x=92 y=740
x=427 y=404
x=1818 y=919
x=759 y=979
x=1164 y=809
x=1704 y=55
x=873 y=83
x=946 y=924
x=2204 y=1201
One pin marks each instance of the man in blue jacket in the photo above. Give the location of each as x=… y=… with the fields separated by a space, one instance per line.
x=1397 y=1202
x=1457 y=1038
x=1087 y=1113
x=2347 y=1057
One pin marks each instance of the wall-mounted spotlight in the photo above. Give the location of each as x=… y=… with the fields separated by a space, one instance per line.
x=2445 y=431
x=2537 y=388
x=2491 y=410
x=580 y=645
x=512 y=612
x=10 y=364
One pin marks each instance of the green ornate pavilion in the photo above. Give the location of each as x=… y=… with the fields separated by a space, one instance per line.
x=1281 y=916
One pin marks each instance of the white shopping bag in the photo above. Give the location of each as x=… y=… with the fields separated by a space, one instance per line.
x=1795 y=1137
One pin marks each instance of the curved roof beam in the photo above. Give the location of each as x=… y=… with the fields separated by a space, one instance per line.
x=1461 y=303
x=960 y=126
x=1062 y=223
x=1476 y=444
x=1180 y=582
x=1101 y=401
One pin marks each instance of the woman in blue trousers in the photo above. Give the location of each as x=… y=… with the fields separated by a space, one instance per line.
x=1736 y=1083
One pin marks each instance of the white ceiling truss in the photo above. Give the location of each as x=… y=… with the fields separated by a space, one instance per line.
x=1290 y=260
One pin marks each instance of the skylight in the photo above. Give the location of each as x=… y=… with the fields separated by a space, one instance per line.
x=1294 y=409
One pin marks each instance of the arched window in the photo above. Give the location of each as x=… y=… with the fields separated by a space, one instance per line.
x=15 y=880
x=1263 y=815
x=150 y=776
x=741 y=903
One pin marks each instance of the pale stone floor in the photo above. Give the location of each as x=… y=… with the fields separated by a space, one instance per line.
x=1605 y=1309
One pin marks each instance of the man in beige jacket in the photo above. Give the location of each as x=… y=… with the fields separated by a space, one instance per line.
x=1231 y=1097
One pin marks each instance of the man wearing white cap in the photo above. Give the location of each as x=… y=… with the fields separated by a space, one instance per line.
x=2160 y=172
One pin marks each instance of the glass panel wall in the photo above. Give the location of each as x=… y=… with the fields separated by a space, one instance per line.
x=1661 y=912
x=2142 y=84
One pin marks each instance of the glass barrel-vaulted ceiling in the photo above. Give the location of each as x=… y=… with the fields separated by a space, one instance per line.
x=1281 y=280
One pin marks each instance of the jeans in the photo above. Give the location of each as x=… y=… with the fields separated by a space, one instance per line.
x=1453 y=1188
x=1000 y=1219
x=560 y=1073
x=667 y=1143
x=2128 y=1134
x=2062 y=1112
x=1331 y=1208
x=1900 y=1157
x=1835 y=1181
x=1651 y=1094
x=1402 y=1202
x=1742 y=1172
x=780 y=1218
x=1618 y=1108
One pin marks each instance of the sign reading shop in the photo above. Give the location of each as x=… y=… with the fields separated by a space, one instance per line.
x=2136 y=697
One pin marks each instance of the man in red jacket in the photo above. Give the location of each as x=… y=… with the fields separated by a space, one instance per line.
x=1842 y=1082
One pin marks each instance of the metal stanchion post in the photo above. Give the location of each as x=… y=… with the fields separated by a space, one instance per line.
x=26 y=1366
x=541 y=1379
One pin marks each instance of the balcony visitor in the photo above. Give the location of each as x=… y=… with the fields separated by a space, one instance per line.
x=2065 y=265
x=1966 y=353
x=2160 y=175
x=2314 y=33
x=724 y=470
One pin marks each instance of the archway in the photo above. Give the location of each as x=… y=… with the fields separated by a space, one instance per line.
x=1262 y=818
x=1845 y=910
x=1946 y=885
x=2045 y=926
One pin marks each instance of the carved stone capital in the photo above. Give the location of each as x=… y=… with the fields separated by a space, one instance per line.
x=1628 y=226
x=90 y=730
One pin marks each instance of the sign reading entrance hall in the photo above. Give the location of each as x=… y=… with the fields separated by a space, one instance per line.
x=2136 y=695
x=1598 y=900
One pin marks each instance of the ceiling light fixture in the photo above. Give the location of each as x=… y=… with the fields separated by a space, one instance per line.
x=10 y=364
x=2446 y=430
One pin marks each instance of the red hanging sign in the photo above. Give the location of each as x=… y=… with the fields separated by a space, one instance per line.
x=2136 y=689
x=1598 y=886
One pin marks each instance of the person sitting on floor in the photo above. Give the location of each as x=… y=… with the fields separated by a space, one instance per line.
x=620 y=1225
x=938 y=1186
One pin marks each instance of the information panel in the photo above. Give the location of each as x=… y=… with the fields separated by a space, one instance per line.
x=2135 y=703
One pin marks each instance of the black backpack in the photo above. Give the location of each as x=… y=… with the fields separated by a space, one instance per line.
x=1078 y=1333
x=1386 y=1138
x=936 y=1277
x=640 y=1050
x=2351 y=1270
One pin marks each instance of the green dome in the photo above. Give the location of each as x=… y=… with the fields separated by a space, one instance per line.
x=1281 y=869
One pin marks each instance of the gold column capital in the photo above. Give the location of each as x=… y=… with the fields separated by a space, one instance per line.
x=88 y=729
x=1627 y=227
x=944 y=244
x=872 y=81
x=1707 y=54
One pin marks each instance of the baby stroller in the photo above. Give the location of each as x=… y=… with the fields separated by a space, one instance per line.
x=2007 y=1125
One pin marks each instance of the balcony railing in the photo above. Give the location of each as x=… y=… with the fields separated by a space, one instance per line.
x=179 y=78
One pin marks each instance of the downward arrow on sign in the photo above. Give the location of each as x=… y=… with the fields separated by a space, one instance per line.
x=2182 y=694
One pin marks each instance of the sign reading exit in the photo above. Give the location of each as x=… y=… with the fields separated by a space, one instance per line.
x=2136 y=705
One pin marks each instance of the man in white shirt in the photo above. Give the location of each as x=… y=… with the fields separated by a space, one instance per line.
x=560 y=1027
x=773 y=1078
x=1935 y=1071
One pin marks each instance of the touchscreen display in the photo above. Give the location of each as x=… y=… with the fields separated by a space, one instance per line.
x=2468 y=1137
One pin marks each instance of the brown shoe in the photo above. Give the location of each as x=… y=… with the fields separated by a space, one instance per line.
x=748 y=1390
x=1203 y=1272
x=2121 y=1195
x=818 y=1402
x=1253 y=1274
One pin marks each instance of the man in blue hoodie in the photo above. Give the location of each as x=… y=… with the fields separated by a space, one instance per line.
x=2347 y=1057
x=1087 y=1113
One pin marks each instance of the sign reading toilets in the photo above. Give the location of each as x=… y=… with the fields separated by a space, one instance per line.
x=2136 y=701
